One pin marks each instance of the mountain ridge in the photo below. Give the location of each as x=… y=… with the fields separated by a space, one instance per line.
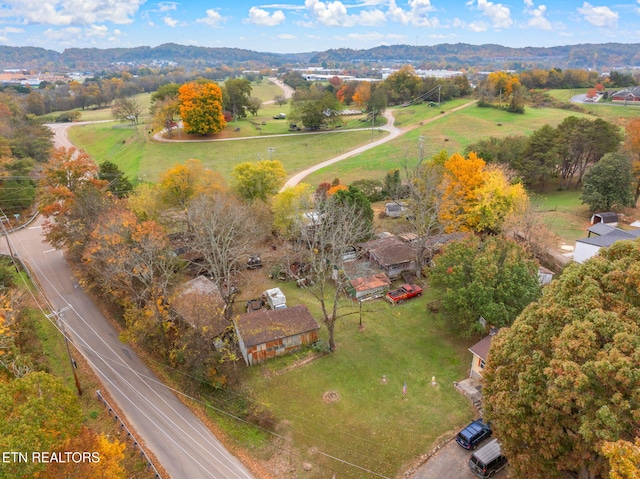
x=447 y=55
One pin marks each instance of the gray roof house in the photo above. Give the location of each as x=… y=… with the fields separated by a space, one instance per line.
x=603 y=237
x=627 y=95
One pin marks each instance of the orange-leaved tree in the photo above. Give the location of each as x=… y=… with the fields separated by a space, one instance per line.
x=201 y=108
x=72 y=198
x=477 y=198
x=186 y=180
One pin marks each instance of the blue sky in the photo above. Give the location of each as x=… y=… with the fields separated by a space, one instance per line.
x=314 y=25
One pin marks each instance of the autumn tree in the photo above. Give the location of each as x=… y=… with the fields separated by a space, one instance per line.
x=127 y=109
x=258 y=180
x=288 y=206
x=179 y=184
x=72 y=199
x=493 y=278
x=108 y=463
x=607 y=185
x=201 y=108
x=563 y=379
x=624 y=458
x=477 y=198
x=134 y=263
x=38 y=414
x=363 y=94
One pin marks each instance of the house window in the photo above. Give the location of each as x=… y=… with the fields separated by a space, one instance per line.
x=481 y=363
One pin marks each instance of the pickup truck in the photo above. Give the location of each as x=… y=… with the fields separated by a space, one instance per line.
x=404 y=292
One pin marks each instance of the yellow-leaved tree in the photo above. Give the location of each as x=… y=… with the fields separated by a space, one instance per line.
x=288 y=206
x=476 y=197
x=201 y=108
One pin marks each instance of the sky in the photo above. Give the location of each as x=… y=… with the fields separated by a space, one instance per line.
x=295 y=26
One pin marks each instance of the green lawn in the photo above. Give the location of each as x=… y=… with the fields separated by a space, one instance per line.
x=372 y=425
x=142 y=159
x=563 y=213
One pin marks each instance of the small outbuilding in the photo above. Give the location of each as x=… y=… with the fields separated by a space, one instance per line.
x=608 y=218
x=372 y=286
x=545 y=276
x=269 y=333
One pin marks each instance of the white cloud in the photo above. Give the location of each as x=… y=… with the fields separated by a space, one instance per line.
x=213 y=18
x=334 y=14
x=477 y=27
x=62 y=33
x=286 y=36
x=6 y=30
x=170 y=22
x=283 y=6
x=258 y=16
x=97 y=31
x=499 y=15
x=375 y=36
x=71 y=12
x=638 y=8
x=538 y=17
x=599 y=16
x=418 y=14
x=167 y=6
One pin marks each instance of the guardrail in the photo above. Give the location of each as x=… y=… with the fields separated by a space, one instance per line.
x=124 y=427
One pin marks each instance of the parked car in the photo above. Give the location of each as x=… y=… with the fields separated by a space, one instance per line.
x=280 y=116
x=404 y=292
x=488 y=460
x=473 y=434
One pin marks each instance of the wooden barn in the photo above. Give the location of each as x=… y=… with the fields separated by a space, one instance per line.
x=269 y=333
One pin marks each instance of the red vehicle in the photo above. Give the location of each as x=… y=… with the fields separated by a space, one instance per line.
x=404 y=292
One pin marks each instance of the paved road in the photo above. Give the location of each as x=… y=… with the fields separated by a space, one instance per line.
x=185 y=447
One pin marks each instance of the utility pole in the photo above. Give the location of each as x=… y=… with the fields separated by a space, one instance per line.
x=4 y=218
x=373 y=117
x=58 y=315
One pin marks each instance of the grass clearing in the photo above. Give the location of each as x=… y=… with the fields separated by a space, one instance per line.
x=563 y=213
x=405 y=343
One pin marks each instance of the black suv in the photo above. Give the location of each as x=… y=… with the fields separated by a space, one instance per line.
x=473 y=434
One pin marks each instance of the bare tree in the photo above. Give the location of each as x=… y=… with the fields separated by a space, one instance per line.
x=127 y=109
x=325 y=236
x=425 y=199
x=280 y=100
x=223 y=233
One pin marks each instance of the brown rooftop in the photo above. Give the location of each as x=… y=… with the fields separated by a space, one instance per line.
x=267 y=325
x=199 y=303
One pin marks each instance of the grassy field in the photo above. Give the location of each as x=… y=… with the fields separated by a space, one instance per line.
x=563 y=213
x=142 y=159
x=371 y=424
x=451 y=133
